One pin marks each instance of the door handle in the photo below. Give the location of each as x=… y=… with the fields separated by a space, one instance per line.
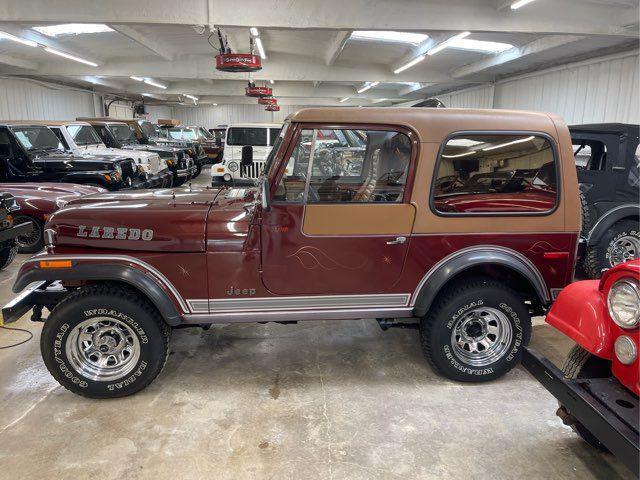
x=397 y=241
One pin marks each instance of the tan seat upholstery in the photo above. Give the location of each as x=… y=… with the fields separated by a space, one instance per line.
x=365 y=192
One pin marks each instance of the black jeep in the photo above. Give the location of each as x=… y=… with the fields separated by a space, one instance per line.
x=607 y=158
x=8 y=231
x=33 y=153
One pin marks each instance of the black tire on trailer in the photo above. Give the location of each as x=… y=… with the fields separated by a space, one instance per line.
x=34 y=240
x=619 y=243
x=104 y=341
x=580 y=364
x=475 y=331
x=8 y=251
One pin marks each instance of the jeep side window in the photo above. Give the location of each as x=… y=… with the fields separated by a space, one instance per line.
x=373 y=169
x=514 y=173
x=590 y=154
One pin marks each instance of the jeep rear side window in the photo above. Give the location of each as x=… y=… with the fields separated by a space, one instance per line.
x=590 y=154
x=495 y=173
x=347 y=166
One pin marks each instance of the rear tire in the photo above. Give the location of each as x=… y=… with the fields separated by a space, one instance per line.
x=475 y=331
x=619 y=244
x=8 y=252
x=34 y=240
x=580 y=364
x=104 y=341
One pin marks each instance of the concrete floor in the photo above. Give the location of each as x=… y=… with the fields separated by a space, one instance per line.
x=326 y=400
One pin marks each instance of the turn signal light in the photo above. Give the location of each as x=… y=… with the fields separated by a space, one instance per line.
x=55 y=263
x=220 y=169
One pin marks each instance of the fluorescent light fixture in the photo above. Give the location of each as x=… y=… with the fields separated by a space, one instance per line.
x=389 y=36
x=214 y=104
x=479 y=45
x=254 y=31
x=72 y=29
x=447 y=42
x=258 y=41
x=271 y=82
x=502 y=145
x=191 y=97
x=13 y=38
x=459 y=155
x=410 y=64
x=342 y=100
x=520 y=3
x=153 y=83
x=463 y=142
x=379 y=100
x=147 y=95
x=137 y=79
x=368 y=86
x=70 y=57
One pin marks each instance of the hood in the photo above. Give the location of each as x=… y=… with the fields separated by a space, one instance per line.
x=167 y=220
x=116 y=152
x=61 y=161
x=49 y=190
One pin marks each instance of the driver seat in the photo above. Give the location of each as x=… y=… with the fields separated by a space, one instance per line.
x=365 y=192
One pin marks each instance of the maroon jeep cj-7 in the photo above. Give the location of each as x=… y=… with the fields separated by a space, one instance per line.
x=465 y=221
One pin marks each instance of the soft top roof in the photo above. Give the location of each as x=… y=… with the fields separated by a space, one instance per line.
x=614 y=128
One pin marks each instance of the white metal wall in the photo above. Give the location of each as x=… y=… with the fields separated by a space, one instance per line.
x=598 y=90
x=480 y=97
x=26 y=100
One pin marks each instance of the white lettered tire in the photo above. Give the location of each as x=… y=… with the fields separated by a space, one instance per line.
x=104 y=341
x=475 y=331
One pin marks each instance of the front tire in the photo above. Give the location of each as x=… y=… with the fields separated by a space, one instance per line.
x=475 y=331
x=34 y=240
x=619 y=244
x=104 y=341
x=581 y=364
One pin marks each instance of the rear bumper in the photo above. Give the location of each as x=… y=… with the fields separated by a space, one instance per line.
x=14 y=231
x=602 y=405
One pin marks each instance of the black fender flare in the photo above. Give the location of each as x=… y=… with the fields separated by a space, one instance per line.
x=614 y=215
x=442 y=272
x=114 y=272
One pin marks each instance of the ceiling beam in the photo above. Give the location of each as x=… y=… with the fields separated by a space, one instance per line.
x=514 y=54
x=574 y=17
x=336 y=46
x=17 y=62
x=153 y=45
x=280 y=67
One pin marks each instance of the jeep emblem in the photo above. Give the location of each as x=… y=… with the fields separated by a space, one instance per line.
x=241 y=291
x=115 y=233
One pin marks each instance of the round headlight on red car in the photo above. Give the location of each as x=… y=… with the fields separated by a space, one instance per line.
x=626 y=350
x=623 y=302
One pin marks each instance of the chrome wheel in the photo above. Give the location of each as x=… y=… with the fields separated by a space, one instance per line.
x=623 y=249
x=103 y=348
x=481 y=336
x=30 y=239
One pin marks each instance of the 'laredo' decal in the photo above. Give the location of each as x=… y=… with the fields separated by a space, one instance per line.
x=115 y=233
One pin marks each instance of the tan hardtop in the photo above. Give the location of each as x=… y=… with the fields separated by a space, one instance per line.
x=103 y=120
x=435 y=124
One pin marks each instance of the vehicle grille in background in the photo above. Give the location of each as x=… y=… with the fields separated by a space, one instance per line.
x=252 y=171
x=128 y=169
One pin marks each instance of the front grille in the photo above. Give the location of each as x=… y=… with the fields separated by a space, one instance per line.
x=127 y=169
x=252 y=171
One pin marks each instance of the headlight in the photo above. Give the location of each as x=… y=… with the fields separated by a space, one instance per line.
x=233 y=167
x=623 y=302
x=61 y=203
x=118 y=168
x=625 y=349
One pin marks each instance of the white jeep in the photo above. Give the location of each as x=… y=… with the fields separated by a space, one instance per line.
x=80 y=138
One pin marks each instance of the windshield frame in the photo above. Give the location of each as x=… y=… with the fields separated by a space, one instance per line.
x=15 y=129
x=277 y=146
x=112 y=129
x=95 y=134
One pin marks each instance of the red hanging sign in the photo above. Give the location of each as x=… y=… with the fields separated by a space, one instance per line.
x=268 y=101
x=272 y=108
x=238 y=62
x=258 y=91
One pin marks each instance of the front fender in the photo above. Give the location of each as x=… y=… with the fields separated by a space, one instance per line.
x=580 y=312
x=139 y=275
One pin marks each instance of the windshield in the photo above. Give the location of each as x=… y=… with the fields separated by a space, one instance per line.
x=254 y=136
x=122 y=132
x=37 y=138
x=148 y=128
x=182 y=134
x=274 y=150
x=203 y=133
x=83 y=134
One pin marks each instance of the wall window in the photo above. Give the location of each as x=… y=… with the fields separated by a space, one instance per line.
x=496 y=173
x=347 y=165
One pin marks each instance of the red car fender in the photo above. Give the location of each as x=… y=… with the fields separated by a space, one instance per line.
x=581 y=314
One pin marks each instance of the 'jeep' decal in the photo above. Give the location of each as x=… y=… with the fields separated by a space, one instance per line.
x=115 y=233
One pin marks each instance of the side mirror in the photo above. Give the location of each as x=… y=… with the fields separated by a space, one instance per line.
x=265 y=193
x=247 y=156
